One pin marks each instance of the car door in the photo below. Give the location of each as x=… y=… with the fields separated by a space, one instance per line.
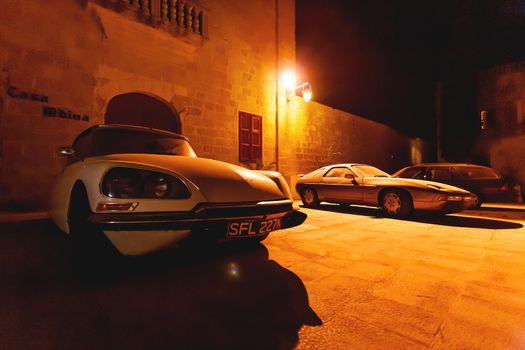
x=339 y=185
x=460 y=178
x=479 y=180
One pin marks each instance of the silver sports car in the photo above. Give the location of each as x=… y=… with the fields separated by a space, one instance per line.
x=366 y=185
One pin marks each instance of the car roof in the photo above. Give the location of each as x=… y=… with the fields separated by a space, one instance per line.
x=343 y=165
x=132 y=127
x=449 y=164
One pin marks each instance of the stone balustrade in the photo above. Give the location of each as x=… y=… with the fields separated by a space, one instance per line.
x=177 y=16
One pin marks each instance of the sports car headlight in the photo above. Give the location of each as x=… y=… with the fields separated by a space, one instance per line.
x=137 y=183
x=450 y=198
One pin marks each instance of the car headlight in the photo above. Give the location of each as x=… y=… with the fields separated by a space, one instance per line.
x=450 y=198
x=137 y=183
x=157 y=186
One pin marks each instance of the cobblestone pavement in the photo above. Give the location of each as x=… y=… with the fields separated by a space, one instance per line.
x=345 y=279
x=439 y=282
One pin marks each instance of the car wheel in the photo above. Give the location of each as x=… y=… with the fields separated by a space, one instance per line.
x=396 y=203
x=478 y=201
x=91 y=248
x=309 y=197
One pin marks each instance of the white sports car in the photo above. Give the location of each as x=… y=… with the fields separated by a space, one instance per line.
x=146 y=190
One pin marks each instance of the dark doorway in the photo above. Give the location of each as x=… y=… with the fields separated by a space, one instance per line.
x=144 y=110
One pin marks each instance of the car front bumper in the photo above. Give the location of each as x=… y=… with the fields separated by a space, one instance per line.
x=160 y=222
x=142 y=233
x=445 y=206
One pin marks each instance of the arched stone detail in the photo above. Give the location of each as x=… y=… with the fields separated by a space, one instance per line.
x=143 y=109
x=113 y=82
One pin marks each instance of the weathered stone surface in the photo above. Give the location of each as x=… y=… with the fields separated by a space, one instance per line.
x=501 y=93
x=80 y=55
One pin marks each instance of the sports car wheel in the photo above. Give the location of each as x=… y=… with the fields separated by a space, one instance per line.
x=478 y=201
x=91 y=248
x=396 y=203
x=309 y=197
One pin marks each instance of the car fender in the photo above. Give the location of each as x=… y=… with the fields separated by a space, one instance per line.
x=279 y=180
x=91 y=172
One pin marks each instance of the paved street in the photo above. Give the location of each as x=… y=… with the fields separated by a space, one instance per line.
x=453 y=282
x=345 y=279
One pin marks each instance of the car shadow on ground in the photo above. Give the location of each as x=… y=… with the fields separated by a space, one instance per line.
x=226 y=297
x=461 y=219
x=510 y=213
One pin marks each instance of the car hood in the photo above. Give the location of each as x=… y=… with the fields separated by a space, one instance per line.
x=217 y=181
x=424 y=184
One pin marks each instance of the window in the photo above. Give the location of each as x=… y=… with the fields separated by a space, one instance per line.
x=369 y=171
x=412 y=173
x=250 y=137
x=338 y=172
x=438 y=174
x=103 y=141
x=464 y=173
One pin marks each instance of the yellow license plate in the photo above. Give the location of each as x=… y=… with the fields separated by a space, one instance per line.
x=243 y=228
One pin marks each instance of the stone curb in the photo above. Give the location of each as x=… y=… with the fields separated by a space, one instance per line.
x=7 y=217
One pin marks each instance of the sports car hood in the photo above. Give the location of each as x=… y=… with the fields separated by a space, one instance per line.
x=424 y=184
x=217 y=181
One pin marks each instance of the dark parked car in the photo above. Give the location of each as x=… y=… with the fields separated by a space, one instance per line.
x=485 y=182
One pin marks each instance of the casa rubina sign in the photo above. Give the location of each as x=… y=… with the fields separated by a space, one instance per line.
x=47 y=110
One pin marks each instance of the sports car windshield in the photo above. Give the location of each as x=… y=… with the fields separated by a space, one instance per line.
x=369 y=171
x=114 y=140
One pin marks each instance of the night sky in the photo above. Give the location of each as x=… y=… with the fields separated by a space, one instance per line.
x=380 y=59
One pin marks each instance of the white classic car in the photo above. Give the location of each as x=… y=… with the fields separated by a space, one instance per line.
x=146 y=190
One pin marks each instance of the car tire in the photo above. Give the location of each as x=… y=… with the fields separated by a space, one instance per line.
x=90 y=247
x=479 y=201
x=396 y=203
x=309 y=197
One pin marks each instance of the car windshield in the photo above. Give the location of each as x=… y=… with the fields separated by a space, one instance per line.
x=104 y=141
x=410 y=173
x=369 y=171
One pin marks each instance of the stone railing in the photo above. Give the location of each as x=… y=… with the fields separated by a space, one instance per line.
x=179 y=17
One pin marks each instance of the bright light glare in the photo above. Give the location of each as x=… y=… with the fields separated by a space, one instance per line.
x=233 y=270
x=288 y=81
x=307 y=95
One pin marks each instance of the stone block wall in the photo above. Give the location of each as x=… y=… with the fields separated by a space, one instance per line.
x=313 y=135
x=75 y=56
x=80 y=54
x=501 y=93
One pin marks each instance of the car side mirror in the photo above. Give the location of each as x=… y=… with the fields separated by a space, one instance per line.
x=66 y=151
x=349 y=176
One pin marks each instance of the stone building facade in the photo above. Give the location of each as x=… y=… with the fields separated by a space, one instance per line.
x=501 y=107
x=191 y=67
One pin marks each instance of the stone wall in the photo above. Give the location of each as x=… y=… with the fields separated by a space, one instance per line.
x=312 y=135
x=79 y=54
x=74 y=56
x=501 y=93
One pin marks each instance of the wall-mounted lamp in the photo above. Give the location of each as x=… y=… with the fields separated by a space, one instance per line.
x=289 y=83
